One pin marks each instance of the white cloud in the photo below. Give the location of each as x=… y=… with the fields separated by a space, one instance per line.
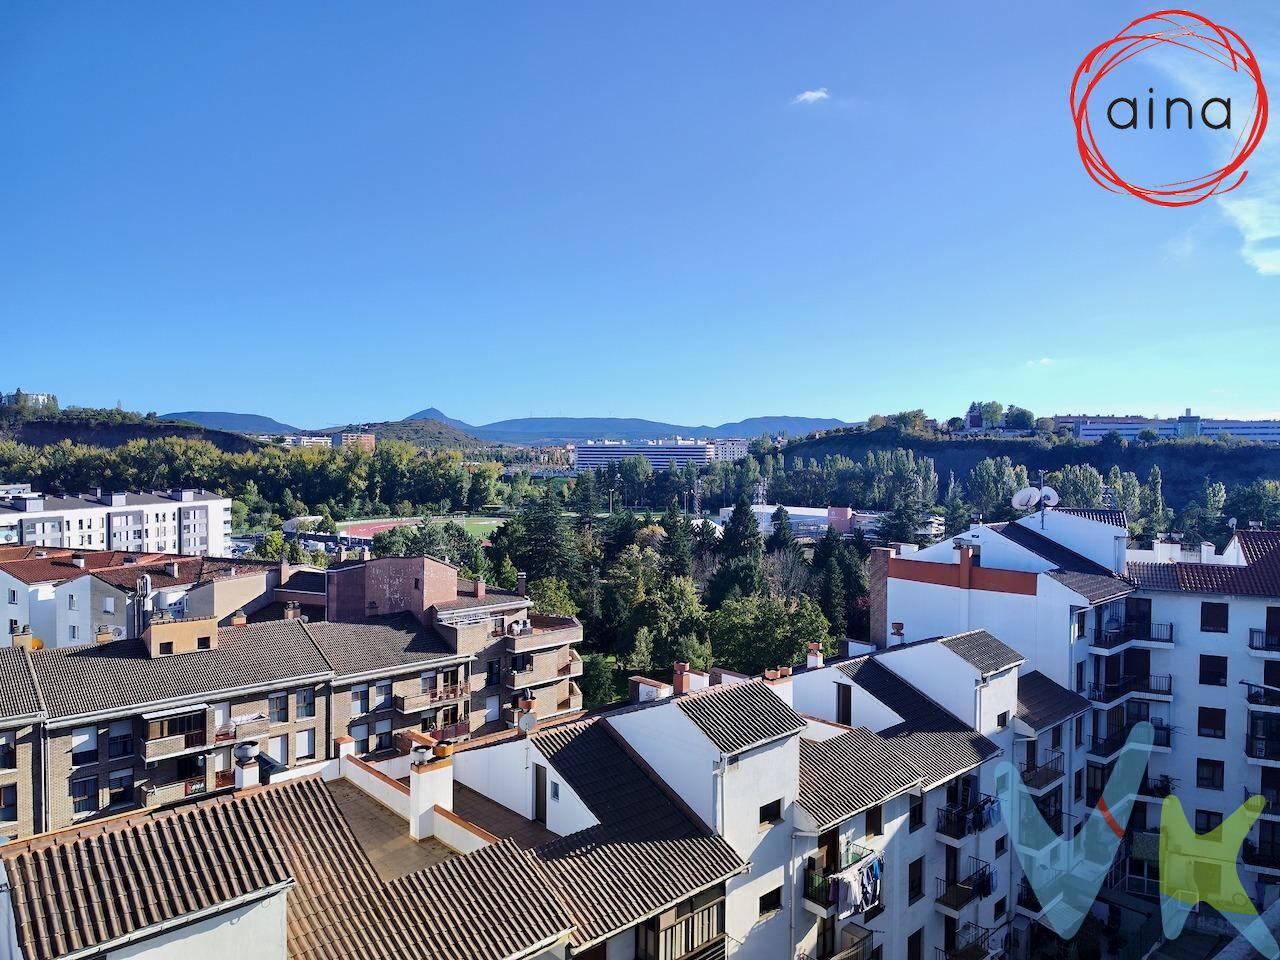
x=812 y=96
x=1042 y=362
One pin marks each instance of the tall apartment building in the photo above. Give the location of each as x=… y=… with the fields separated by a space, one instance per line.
x=365 y=441
x=66 y=597
x=671 y=454
x=1191 y=647
x=193 y=522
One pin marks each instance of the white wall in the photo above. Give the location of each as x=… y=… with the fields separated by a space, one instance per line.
x=678 y=752
x=504 y=773
x=1100 y=542
x=256 y=930
x=940 y=674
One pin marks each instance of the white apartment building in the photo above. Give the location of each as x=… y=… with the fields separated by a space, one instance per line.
x=192 y=522
x=670 y=454
x=1192 y=646
x=1187 y=425
x=296 y=440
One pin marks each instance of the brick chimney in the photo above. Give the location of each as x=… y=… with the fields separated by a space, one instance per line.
x=522 y=584
x=878 y=593
x=365 y=554
x=292 y=610
x=23 y=637
x=478 y=587
x=680 y=681
x=104 y=634
x=239 y=619
x=342 y=554
x=814 y=659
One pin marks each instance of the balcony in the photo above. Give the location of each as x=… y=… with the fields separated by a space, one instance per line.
x=543 y=631
x=245 y=730
x=1111 y=744
x=1157 y=787
x=417 y=702
x=817 y=886
x=1155 y=685
x=449 y=731
x=161 y=747
x=956 y=821
x=1263 y=642
x=1262 y=748
x=1038 y=775
x=1266 y=856
x=1262 y=696
x=159 y=794
x=1056 y=820
x=972 y=942
x=572 y=702
x=685 y=938
x=859 y=944
x=222 y=779
x=574 y=667
x=954 y=895
x=1134 y=631
x=1270 y=800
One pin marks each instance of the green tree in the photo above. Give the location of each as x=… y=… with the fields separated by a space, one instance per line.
x=1155 y=515
x=506 y=575
x=1078 y=485
x=550 y=596
x=1019 y=418
x=992 y=411
x=640 y=657
x=271 y=547
x=957 y=513
x=903 y=522
x=782 y=537
x=596 y=682
x=677 y=543
x=754 y=633
x=831 y=597
x=740 y=539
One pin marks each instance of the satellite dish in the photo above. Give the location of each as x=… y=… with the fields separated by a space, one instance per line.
x=527 y=722
x=1049 y=497
x=117 y=633
x=1026 y=498
x=1232 y=523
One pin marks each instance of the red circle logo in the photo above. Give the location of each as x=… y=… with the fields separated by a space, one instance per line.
x=1195 y=34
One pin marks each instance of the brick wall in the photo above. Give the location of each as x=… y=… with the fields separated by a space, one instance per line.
x=878 y=594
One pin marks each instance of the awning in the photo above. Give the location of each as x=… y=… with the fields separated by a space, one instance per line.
x=175 y=711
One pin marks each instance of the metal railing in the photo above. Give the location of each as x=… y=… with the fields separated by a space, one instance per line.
x=1130 y=631
x=1270 y=800
x=1262 y=748
x=1263 y=640
x=958 y=894
x=817 y=882
x=1159 y=684
x=1039 y=774
x=957 y=820
x=972 y=942
x=1114 y=741
x=1261 y=695
x=1158 y=787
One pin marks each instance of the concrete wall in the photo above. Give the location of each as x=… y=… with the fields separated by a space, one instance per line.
x=504 y=773
x=678 y=752
x=260 y=924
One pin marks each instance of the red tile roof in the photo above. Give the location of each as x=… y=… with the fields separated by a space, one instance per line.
x=57 y=565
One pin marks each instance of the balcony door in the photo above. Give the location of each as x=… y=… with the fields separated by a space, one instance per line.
x=1273 y=621
x=540 y=793
x=1137 y=610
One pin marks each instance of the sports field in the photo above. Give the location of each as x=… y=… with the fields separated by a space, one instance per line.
x=480 y=527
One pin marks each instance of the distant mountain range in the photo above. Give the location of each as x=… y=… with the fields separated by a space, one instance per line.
x=555 y=430
x=235 y=422
x=528 y=431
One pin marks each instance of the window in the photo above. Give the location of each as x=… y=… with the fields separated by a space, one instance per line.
x=304 y=746
x=915 y=880
x=1213 y=722
x=555 y=791
x=84 y=746
x=359 y=699
x=771 y=902
x=278 y=749
x=915 y=945
x=1080 y=731
x=1055 y=738
x=1213 y=670
x=382 y=735
x=1209 y=774
x=306 y=702
x=1207 y=820
x=73 y=633
x=875 y=821
x=1078 y=786
x=9 y=750
x=382 y=694
x=8 y=804
x=84 y=795
x=771 y=813
x=360 y=734
x=204 y=643
x=120 y=788
x=13 y=596
x=1001 y=906
x=915 y=815
x=1213 y=617
x=492 y=673
x=1080 y=676
x=1002 y=720
x=427 y=682
x=278 y=707
x=1002 y=844
x=120 y=739
x=71 y=601
x=108 y=604
x=166 y=647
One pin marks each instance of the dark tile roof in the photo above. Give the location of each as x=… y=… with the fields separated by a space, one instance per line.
x=1258 y=579
x=493 y=597
x=378 y=643
x=1045 y=703
x=190 y=570
x=18 y=695
x=496 y=902
x=736 y=716
x=1258 y=544
x=851 y=771
x=82 y=888
x=644 y=855
x=1114 y=518
x=1091 y=580
x=94 y=677
x=982 y=650
x=305 y=581
x=941 y=745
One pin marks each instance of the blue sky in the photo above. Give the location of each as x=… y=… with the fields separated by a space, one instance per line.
x=335 y=211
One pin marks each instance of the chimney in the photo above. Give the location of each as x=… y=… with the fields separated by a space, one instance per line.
x=104 y=634
x=77 y=560
x=784 y=673
x=897 y=629
x=1255 y=524
x=239 y=619
x=522 y=584
x=292 y=610
x=246 y=765
x=479 y=588
x=814 y=660
x=22 y=637
x=771 y=674
x=975 y=521
x=171 y=568
x=365 y=554
x=680 y=678
x=342 y=554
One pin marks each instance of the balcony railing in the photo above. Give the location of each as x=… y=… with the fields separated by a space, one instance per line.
x=1263 y=640
x=449 y=731
x=817 y=882
x=1112 y=743
x=1270 y=800
x=971 y=943
x=223 y=779
x=415 y=702
x=158 y=747
x=1262 y=855
x=859 y=945
x=957 y=894
x=245 y=730
x=1262 y=748
x=1157 y=787
x=1133 y=630
x=692 y=932
x=1027 y=898
x=1159 y=684
x=1039 y=774
x=1262 y=696
x=957 y=821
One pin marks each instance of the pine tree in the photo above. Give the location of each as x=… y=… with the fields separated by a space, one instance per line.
x=831 y=597
x=677 y=544
x=741 y=539
x=782 y=537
